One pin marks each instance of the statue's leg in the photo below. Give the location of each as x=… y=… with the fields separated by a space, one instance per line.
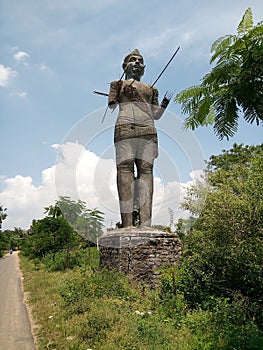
x=125 y=184
x=145 y=191
x=125 y=180
x=147 y=151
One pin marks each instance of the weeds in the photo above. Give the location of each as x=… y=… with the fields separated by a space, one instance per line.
x=85 y=308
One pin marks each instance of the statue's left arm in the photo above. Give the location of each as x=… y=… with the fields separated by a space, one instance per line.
x=158 y=109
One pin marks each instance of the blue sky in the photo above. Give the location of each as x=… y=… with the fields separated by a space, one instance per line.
x=53 y=54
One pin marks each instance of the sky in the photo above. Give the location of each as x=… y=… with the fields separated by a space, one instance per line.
x=54 y=54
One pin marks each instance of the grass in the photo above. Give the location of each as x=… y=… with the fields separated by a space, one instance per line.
x=84 y=308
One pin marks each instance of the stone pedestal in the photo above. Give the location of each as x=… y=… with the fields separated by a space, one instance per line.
x=140 y=253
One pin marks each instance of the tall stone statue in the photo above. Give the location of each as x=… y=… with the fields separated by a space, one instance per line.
x=135 y=139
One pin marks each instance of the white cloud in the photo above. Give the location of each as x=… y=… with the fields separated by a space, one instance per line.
x=56 y=146
x=23 y=200
x=21 y=56
x=81 y=174
x=21 y=94
x=45 y=68
x=6 y=73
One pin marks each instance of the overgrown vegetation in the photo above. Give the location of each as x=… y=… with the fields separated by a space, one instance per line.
x=88 y=223
x=211 y=300
x=85 y=308
x=58 y=239
x=224 y=252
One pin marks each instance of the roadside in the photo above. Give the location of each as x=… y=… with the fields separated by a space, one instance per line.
x=15 y=325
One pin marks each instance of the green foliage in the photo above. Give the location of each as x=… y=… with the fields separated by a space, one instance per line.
x=64 y=259
x=211 y=300
x=88 y=223
x=53 y=211
x=86 y=308
x=53 y=240
x=70 y=209
x=3 y=243
x=184 y=226
x=48 y=235
x=12 y=239
x=79 y=291
x=195 y=199
x=246 y=24
x=228 y=160
x=224 y=251
x=235 y=83
x=219 y=323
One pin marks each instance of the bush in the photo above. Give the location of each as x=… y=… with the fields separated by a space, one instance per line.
x=223 y=253
x=63 y=260
x=87 y=284
x=48 y=235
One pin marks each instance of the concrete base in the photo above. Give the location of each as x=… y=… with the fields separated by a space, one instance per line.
x=140 y=253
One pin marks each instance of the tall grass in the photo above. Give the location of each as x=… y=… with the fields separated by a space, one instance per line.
x=84 y=308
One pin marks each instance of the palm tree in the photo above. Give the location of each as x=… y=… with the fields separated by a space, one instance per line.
x=53 y=211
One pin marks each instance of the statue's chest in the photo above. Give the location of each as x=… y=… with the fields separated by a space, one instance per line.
x=136 y=89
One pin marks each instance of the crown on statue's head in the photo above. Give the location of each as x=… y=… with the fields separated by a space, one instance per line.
x=135 y=52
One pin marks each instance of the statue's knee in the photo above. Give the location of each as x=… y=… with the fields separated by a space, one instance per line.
x=145 y=167
x=126 y=166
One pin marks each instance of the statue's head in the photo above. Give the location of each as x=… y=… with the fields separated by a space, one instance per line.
x=133 y=65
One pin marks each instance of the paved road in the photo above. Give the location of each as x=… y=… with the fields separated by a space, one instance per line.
x=15 y=328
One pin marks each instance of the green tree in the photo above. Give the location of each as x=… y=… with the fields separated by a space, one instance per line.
x=70 y=209
x=224 y=250
x=234 y=84
x=88 y=223
x=14 y=238
x=48 y=235
x=54 y=211
x=184 y=226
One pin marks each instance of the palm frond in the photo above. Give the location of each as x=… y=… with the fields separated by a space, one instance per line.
x=252 y=105
x=202 y=111
x=251 y=116
x=190 y=98
x=256 y=34
x=220 y=46
x=193 y=91
x=203 y=114
x=226 y=118
x=223 y=72
x=246 y=23
x=210 y=117
x=191 y=122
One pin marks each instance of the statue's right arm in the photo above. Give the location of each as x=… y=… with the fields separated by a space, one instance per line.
x=114 y=94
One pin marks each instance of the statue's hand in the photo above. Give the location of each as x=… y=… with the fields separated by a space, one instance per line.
x=167 y=98
x=112 y=105
x=165 y=102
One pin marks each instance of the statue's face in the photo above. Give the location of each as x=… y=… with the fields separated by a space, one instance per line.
x=134 y=66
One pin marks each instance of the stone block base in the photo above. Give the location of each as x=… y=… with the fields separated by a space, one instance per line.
x=139 y=253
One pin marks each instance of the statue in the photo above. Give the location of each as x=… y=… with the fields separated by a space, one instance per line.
x=135 y=139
